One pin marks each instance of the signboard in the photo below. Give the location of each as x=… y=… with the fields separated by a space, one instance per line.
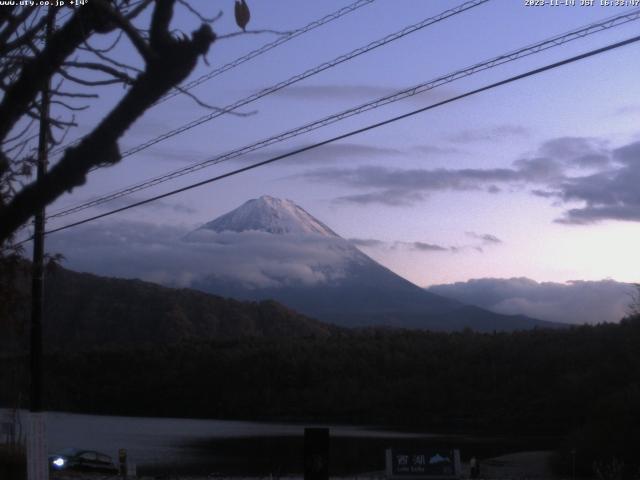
x=423 y=463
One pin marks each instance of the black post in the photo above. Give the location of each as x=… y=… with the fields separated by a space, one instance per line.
x=37 y=464
x=316 y=454
x=122 y=461
x=37 y=273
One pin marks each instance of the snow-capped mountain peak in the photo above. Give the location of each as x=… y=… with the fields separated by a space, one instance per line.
x=271 y=215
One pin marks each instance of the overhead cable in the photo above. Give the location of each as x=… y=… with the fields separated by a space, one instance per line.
x=403 y=94
x=512 y=79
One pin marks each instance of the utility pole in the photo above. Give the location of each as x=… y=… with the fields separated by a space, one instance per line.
x=37 y=462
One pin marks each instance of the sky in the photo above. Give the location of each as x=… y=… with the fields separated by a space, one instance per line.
x=535 y=180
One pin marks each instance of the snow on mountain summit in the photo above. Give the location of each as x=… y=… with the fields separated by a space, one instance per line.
x=271 y=215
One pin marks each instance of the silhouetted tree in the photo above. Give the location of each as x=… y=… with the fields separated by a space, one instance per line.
x=27 y=61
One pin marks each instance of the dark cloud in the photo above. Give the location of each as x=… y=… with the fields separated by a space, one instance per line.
x=628 y=155
x=396 y=187
x=611 y=194
x=567 y=170
x=574 y=302
x=428 y=247
x=368 y=242
x=485 y=238
x=415 y=246
x=577 y=151
x=493 y=134
x=390 y=197
x=539 y=169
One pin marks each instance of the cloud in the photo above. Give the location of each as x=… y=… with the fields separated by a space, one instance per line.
x=427 y=247
x=164 y=254
x=368 y=242
x=573 y=302
x=485 y=238
x=611 y=194
x=391 y=197
x=415 y=246
x=582 y=152
x=493 y=134
x=567 y=170
x=400 y=187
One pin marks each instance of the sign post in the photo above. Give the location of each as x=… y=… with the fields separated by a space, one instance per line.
x=122 y=459
x=316 y=454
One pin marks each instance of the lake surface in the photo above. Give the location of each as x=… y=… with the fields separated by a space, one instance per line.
x=200 y=447
x=184 y=443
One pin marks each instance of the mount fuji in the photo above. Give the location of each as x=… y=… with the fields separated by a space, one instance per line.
x=271 y=248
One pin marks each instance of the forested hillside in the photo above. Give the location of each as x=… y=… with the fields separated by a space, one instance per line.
x=583 y=382
x=84 y=311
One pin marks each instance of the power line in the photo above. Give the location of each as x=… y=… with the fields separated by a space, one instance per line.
x=512 y=79
x=308 y=73
x=249 y=56
x=268 y=46
x=409 y=92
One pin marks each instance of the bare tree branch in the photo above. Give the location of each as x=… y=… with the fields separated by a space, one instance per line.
x=125 y=25
x=69 y=107
x=20 y=134
x=89 y=83
x=123 y=77
x=106 y=58
x=74 y=94
x=42 y=66
x=213 y=107
x=168 y=64
x=198 y=15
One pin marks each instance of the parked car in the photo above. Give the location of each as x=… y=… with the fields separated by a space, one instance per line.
x=75 y=459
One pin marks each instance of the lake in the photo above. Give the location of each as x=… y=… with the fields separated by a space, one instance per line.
x=201 y=447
